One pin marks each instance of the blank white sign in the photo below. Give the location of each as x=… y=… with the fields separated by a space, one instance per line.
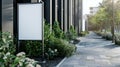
x=30 y=21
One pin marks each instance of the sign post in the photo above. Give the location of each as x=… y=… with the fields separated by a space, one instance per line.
x=31 y=22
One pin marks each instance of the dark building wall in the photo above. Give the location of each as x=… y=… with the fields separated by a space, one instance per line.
x=63 y=15
x=7 y=15
x=69 y=12
x=77 y=15
x=53 y=11
x=47 y=10
x=59 y=12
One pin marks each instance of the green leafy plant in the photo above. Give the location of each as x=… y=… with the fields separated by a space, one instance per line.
x=83 y=33
x=55 y=46
x=64 y=48
x=33 y=48
x=117 y=39
x=22 y=61
x=71 y=34
x=72 y=31
x=7 y=57
x=51 y=53
x=6 y=42
x=57 y=31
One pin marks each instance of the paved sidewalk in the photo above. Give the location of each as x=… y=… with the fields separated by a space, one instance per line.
x=93 y=51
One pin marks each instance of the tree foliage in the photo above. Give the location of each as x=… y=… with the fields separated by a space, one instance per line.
x=108 y=11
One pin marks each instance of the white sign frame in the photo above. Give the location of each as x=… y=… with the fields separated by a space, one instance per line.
x=27 y=28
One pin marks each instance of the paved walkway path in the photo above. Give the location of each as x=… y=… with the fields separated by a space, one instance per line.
x=93 y=51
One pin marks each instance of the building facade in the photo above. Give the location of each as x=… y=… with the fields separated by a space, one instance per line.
x=94 y=10
x=66 y=12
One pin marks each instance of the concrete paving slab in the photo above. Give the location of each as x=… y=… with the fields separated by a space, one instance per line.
x=93 y=51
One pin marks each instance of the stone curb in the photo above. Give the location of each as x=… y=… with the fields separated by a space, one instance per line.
x=61 y=62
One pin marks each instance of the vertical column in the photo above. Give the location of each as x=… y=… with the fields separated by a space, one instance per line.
x=73 y=13
x=56 y=10
x=0 y=15
x=62 y=10
x=70 y=13
x=51 y=15
x=80 y=25
x=76 y=15
x=65 y=15
x=79 y=15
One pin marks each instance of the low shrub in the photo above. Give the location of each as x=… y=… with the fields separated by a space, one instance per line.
x=83 y=33
x=7 y=57
x=76 y=40
x=62 y=46
x=107 y=36
x=117 y=39
x=103 y=35
x=55 y=46
x=6 y=42
x=117 y=42
x=98 y=33
x=58 y=33
x=33 y=48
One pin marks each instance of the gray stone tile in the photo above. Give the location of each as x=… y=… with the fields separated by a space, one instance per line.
x=93 y=51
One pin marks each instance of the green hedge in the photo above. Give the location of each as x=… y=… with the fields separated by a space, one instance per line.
x=107 y=35
x=34 y=48
x=117 y=39
x=64 y=48
x=83 y=33
x=55 y=44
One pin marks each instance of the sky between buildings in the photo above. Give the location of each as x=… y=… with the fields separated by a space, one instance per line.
x=90 y=3
x=86 y=9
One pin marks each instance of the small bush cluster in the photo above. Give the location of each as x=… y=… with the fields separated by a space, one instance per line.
x=56 y=44
x=117 y=39
x=83 y=33
x=7 y=57
x=71 y=34
x=98 y=33
x=58 y=33
x=63 y=47
x=107 y=35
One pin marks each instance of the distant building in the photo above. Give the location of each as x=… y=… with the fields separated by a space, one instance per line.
x=93 y=10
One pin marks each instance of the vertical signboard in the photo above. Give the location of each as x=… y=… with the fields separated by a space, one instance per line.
x=30 y=21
